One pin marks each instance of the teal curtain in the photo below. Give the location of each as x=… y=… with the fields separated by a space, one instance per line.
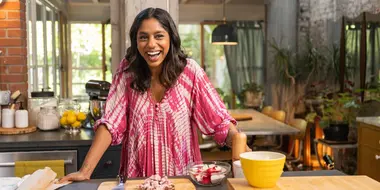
x=245 y=61
x=353 y=53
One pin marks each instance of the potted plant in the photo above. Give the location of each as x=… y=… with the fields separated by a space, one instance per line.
x=252 y=94
x=336 y=114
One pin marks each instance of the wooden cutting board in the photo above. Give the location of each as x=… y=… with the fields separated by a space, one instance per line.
x=179 y=183
x=16 y=131
x=320 y=182
x=241 y=116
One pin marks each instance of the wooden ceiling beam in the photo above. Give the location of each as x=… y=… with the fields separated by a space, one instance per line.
x=183 y=1
x=95 y=1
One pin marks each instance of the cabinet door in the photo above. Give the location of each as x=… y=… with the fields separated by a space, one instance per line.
x=369 y=162
x=370 y=137
x=108 y=166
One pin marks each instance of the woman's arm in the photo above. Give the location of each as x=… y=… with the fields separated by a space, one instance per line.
x=99 y=145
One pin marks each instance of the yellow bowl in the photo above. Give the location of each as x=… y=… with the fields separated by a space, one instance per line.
x=262 y=168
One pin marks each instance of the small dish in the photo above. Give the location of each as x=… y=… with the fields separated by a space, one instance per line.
x=208 y=173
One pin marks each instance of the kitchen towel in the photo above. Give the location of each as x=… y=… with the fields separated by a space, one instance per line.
x=23 y=168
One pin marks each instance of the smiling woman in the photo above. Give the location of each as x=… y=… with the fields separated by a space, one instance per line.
x=157 y=101
x=155 y=32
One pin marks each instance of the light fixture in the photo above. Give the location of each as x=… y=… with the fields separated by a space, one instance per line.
x=1 y=1
x=224 y=34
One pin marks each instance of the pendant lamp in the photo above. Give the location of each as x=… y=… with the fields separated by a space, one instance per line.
x=224 y=34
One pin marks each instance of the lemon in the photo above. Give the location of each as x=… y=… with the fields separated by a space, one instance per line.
x=71 y=118
x=65 y=113
x=76 y=124
x=63 y=121
x=81 y=116
x=96 y=111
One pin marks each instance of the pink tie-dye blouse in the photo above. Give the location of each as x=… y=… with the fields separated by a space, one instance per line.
x=161 y=138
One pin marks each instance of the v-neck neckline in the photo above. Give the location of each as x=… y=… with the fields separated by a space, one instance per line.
x=152 y=99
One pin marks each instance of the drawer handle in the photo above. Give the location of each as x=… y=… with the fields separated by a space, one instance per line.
x=377 y=157
x=10 y=164
x=108 y=163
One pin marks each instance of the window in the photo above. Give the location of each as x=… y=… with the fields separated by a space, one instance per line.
x=214 y=60
x=216 y=65
x=43 y=46
x=86 y=51
x=190 y=40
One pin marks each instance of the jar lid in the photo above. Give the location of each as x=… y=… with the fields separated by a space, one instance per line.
x=42 y=94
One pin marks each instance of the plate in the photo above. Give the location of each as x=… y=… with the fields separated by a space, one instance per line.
x=9 y=183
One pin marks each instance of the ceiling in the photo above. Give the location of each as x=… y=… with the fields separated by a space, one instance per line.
x=100 y=9
x=180 y=1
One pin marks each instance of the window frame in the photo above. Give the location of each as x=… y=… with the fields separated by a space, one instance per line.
x=32 y=59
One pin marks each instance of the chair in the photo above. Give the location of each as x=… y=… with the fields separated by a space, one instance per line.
x=267 y=110
x=278 y=115
x=301 y=125
x=269 y=141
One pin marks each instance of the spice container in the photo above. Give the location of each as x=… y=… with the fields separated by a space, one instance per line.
x=48 y=118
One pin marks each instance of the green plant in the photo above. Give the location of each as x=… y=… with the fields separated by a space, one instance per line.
x=340 y=108
x=250 y=87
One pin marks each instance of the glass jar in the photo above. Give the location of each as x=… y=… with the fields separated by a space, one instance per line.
x=48 y=118
x=38 y=100
x=68 y=104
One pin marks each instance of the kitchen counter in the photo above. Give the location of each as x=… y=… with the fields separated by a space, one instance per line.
x=55 y=138
x=375 y=121
x=53 y=144
x=93 y=184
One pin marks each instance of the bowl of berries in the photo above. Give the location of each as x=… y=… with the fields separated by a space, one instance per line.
x=208 y=173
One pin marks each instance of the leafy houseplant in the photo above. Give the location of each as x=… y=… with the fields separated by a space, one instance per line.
x=336 y=114
x=252 y=94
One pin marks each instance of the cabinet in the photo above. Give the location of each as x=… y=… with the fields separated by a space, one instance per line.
x=8 y=159
x=369 y=151
x=108 y=166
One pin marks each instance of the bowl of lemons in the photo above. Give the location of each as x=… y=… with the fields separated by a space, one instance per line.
x=72 y=121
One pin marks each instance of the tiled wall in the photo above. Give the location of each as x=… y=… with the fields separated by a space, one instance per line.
x=13 y=62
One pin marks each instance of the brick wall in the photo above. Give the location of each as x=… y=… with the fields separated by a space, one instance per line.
x=13 y=62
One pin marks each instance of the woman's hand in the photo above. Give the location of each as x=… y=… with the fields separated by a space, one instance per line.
x=76 y=176
x=247 y=149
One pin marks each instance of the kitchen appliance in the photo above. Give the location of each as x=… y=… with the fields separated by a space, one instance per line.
x=98 y=92
x=5 y=97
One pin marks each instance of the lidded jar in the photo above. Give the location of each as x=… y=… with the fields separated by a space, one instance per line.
x=39 y=99
x=48 y=118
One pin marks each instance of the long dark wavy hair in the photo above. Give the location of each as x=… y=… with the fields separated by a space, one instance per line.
x=174 y=62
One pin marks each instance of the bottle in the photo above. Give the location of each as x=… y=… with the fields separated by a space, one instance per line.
x=239 y=144
x=21 y=119
x=329 y=162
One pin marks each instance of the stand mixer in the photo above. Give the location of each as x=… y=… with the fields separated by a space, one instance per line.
x=98 y=92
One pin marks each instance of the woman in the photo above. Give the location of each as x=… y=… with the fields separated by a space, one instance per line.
x=157 y=100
